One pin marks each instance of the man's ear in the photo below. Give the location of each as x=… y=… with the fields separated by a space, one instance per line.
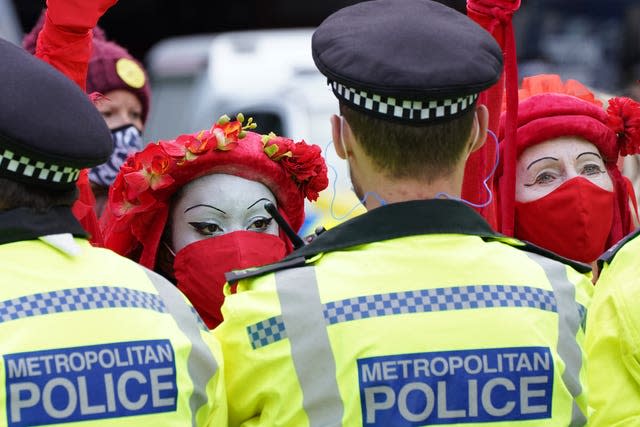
x=482 y=116
x=336 y=134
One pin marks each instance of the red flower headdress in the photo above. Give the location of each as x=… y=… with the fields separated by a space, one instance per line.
x=549 y=108
x=140 y=196
x=623 y=117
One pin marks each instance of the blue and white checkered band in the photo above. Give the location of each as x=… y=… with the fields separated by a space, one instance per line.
x=25 y=168
x=407 y=110
x=126 y=140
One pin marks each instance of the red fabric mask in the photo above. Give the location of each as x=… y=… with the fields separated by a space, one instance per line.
x=199 y=267
x=574 y=220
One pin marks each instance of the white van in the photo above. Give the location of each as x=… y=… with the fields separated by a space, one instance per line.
x=9 y=25
x=268 y=75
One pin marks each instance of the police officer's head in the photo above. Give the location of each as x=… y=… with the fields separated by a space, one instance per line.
x=407 y=75
x=49 y=131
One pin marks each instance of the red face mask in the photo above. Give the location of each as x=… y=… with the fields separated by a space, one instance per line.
x=199 y=267
x=574 y=220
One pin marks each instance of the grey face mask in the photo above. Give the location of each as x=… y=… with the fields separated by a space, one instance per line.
x=126 y=140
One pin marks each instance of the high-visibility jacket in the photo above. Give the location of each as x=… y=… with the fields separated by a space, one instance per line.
x=412 y=314
x=91 y=338
x=613 y=338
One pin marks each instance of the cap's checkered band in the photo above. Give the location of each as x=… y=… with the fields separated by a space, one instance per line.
x=37 y=170
x=416 y=111
x=420 y=301
x=78 y=299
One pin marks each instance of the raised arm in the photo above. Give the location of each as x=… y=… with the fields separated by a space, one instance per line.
x=65 y=39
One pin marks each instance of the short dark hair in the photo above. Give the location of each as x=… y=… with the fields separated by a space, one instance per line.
x=14 y=194
x=425 y=152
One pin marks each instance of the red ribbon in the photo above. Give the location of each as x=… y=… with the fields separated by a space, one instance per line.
x=496 y=17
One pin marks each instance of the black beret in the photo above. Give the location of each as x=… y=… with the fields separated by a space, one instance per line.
x=49 y=129
x=414 y=61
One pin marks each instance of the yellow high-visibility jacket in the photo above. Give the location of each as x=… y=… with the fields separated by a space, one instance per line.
x=88 y=337
x=613 y=338
x=412 y=314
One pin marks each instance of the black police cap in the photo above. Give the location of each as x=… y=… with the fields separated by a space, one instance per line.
x=49 y=129
x=414 y=61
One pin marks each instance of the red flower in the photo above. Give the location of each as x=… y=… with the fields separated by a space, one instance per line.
x=223 y=142
x=277 y=147
x=122 y=205
x=129 y=165
x=194 y=144
x=173 y=148
x=231 y=130
x=308 y=168
x=624 y=119
x=154 y=163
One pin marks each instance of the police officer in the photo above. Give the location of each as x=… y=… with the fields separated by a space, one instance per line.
x=415 y=313
x=613 y=338
x=86 y=335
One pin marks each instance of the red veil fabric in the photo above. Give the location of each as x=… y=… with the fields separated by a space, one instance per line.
x=495 y=16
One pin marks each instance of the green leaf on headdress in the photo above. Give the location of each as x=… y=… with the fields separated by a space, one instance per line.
x=271 y=150
x=223 y=120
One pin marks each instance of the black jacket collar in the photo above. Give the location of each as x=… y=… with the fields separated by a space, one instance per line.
x=396 y=220
x=400 y=220
x=28 y=224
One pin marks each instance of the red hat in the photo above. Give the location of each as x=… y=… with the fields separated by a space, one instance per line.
x=550 y=109
x=111 y=67
x=140 y=197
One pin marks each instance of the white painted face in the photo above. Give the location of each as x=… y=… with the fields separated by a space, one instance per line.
x=218 y=204
x=544 y=167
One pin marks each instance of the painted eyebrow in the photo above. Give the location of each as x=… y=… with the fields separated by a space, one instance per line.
x=539 y=160
x=589 y=152
x=206 y=206
x=259 y=200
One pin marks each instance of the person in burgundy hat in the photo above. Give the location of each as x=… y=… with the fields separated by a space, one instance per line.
x=193 y=208
x=124 y=104
x=121 y=93
x=570 y=196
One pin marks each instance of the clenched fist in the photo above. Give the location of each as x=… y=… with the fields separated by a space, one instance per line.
x=77 y=16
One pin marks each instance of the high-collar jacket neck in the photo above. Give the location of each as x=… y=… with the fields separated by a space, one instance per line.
x=28 y=224
x=403 y=219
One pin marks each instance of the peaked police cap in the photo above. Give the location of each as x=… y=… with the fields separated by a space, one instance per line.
x=49 y=129
x=414 y=61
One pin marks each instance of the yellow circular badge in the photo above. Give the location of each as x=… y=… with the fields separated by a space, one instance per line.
x=130 y=73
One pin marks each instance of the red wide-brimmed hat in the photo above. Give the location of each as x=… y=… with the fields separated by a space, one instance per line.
x=550 y=109
x=140 y=197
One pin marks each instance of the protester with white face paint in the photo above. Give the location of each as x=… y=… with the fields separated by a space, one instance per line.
x=194 y=208
x=570 y=196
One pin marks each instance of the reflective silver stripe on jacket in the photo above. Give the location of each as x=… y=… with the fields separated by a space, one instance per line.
x=416 y=301
x=304 y=319
x=310 y=347
x=569 y=320
x=201 y=363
